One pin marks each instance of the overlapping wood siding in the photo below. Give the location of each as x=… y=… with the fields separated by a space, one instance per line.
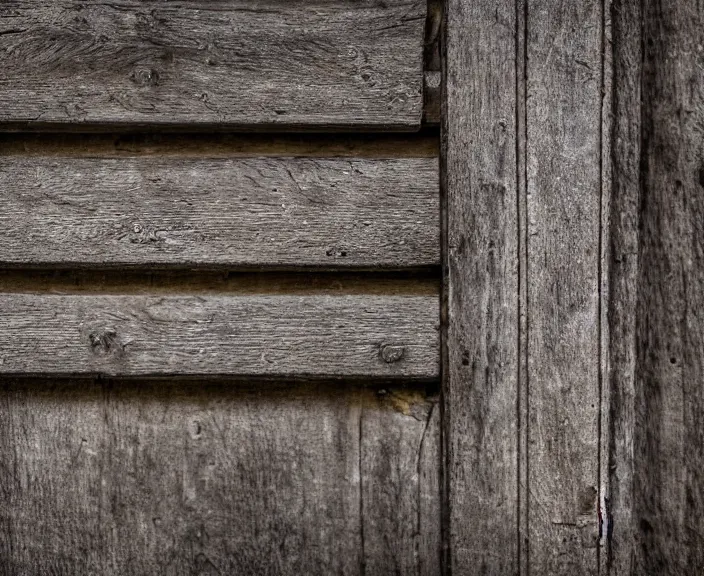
x=219 y=349
x=221 y=64
x=220 y=202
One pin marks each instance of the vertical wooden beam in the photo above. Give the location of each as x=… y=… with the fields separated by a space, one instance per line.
x=564 y=46
x=668 y=458
x=606 y=168
x=623 y=281
x=609 y=214
x=481 y=266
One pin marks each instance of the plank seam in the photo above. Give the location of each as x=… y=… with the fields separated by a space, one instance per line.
x=599 y=273
x=362 y=557
x=523 y=384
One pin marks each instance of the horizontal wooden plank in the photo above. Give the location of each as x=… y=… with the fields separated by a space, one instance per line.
x=233 y=212
x=269 y=64
x=267 y=335
x=193 y=478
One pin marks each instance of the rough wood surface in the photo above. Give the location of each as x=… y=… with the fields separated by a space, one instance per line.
x=231 y=212
x=226 y=63
x=479 y=132
x=190 y=478
x=351 y=335
x=563 y=161
x=401 y=527
x=620 y=530
x=669 y=411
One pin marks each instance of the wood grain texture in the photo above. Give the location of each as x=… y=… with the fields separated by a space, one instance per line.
x=563 y=148
x=227 y=64
x=268 y=212
x=621 y=530
x=267 y=335
x=401 y=526
x=480 y=373
x=668 y=458
x=117 y=478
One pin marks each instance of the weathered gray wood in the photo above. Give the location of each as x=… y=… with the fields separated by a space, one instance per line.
x=563 y=162
x=480 y=370
x=606 y=169
x=623 y=282
x=271 y=335
x=401 y=526
x=118 y=478
x=227 y=63
x=668 y=456
x=237 y=212
x=523 y=400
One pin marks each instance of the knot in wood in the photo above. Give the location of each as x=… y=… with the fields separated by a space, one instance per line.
x=145 y=77
x=391 y=353
x=336 y=252
x=104 y=341
x=142 y=234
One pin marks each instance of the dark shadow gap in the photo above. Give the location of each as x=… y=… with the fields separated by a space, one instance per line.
x=223 y=387
x=107 y=281
x=424 y=143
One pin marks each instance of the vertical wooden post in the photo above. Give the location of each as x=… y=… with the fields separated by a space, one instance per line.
x=525 y=184
x=481 y=267
x=564 y=84
x=657 y=291
x=623 y=282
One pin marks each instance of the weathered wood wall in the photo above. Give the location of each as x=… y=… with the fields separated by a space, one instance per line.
x=218 y=382
x=219 y=352
x=657 y=365
x=574 y=274
x=113 y=477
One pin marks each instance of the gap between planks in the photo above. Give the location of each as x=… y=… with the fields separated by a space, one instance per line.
x=211 y=282
x=423 y=144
